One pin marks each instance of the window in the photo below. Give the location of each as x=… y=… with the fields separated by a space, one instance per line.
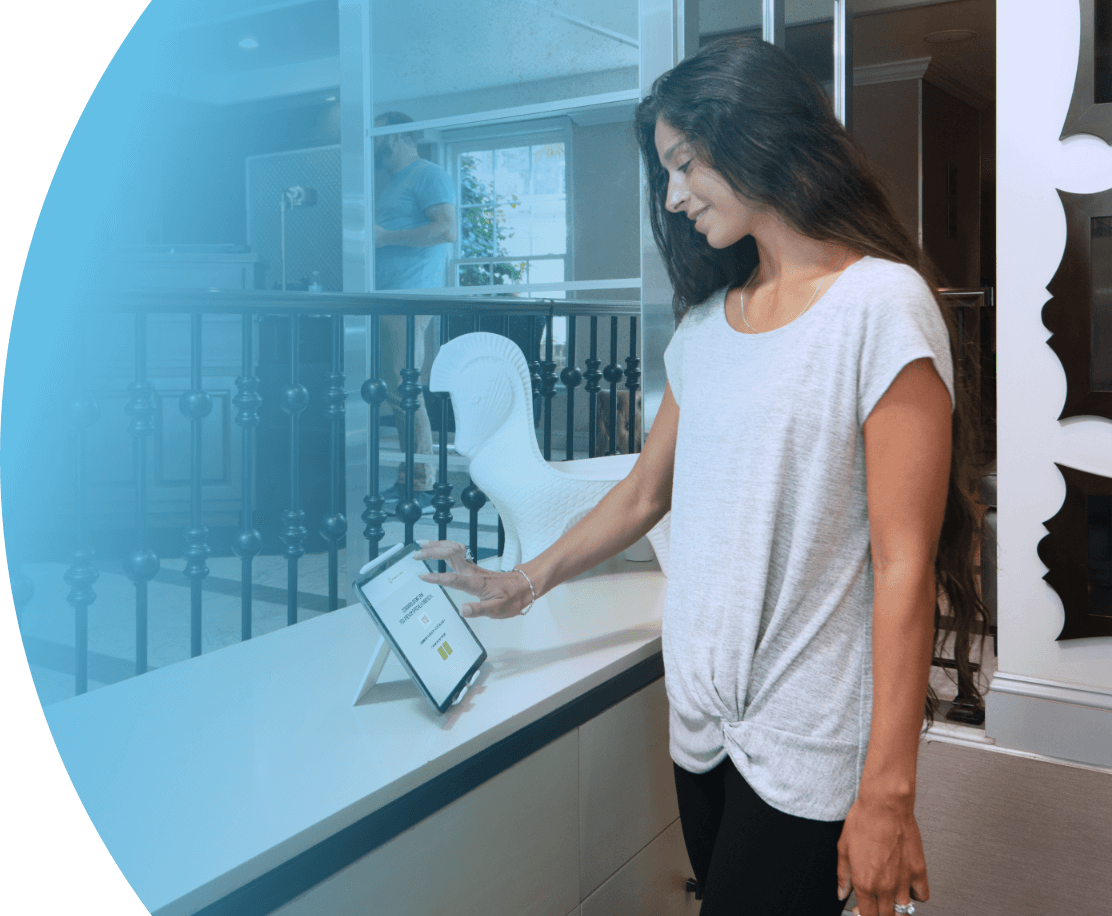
x=513 y=210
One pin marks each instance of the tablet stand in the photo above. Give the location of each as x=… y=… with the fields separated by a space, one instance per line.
x=374 y=669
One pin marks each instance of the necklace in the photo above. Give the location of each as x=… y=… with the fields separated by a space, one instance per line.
x=810 y=302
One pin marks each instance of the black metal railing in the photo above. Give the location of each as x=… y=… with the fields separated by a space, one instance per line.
x=299 y=399
x=290 y=530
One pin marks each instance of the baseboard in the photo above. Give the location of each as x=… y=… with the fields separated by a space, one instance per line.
x=1051 y=718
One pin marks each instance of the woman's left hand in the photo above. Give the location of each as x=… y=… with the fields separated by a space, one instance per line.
x=880 y=855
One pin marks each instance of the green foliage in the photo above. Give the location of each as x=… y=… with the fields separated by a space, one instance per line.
x=482 y=232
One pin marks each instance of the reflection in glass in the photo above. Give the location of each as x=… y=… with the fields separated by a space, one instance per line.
x=556 y=183
x=1102 y=51
x=809 y=34
x=1098 y=515
x=810 y=38
x=1100 y=260
x=719 y=18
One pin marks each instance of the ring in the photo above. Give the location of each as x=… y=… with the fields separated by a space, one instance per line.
x=467 y=556
x=907 y=909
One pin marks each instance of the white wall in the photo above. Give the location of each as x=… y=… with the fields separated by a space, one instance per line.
x=1036 y=65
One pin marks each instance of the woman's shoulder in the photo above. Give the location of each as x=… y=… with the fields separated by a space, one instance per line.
x=879 y=286
x=885 y=279
x=893 y=275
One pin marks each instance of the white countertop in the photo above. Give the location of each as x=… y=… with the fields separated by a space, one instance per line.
x=206 y=774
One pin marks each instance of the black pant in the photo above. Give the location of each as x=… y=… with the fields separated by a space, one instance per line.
x=750 y=858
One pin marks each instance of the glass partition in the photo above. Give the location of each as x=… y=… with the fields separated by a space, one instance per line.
x=722 y=18
x=809 y=30
x=810 y=37
x=531 y=149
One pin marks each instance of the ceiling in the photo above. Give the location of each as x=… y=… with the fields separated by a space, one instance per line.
x=431 y=47
x=899 y=35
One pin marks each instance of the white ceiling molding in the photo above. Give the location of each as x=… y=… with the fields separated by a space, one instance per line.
x=892 y=72
x=947 y=82
x=717 y=17
x=920 y=68
x=863 y=7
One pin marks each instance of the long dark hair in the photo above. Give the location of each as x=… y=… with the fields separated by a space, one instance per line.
x=767 y=127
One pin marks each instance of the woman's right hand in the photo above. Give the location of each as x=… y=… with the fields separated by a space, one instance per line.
x=500 y=594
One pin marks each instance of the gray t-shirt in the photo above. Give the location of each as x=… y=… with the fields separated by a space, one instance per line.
x=768 y=621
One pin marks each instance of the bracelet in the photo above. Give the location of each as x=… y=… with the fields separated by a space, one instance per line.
x=531 y=589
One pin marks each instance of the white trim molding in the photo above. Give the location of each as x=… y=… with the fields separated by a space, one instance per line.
x=920 y=68
x=912 y=69
x=947 y=82
x=1056 y=719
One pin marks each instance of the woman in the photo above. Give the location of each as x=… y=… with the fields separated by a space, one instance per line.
x=808 y=452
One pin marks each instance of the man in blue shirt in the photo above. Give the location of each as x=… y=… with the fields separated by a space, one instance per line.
x=415 y=226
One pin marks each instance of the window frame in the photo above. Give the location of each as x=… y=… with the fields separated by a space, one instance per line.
x=492 y=137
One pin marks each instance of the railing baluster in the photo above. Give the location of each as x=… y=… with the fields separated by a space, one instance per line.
x=633 y=384
x=373 y=392
x=548 y=386
x=84 y=412
x=613 y=374
x=142 y=564
x=247 y=542
x=534 y=358
x=408 y=510
x=501 y=537
x=196 y=405
x=592 y=376
x=443 y=500
x=294 y=400
x=334 y=525
x=472 y=498
x=571 y=377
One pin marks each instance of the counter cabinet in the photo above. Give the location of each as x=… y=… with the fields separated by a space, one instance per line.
x=244 y=782
x=587 y=826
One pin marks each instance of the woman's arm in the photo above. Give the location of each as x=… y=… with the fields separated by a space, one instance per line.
x=625 y=514
x=907 y=461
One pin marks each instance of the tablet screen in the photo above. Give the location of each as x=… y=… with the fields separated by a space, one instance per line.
x=424 y=625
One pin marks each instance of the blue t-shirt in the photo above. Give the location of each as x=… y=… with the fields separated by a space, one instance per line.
x=402 y=205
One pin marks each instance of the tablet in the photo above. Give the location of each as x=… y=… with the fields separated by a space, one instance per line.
x=422 y=625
